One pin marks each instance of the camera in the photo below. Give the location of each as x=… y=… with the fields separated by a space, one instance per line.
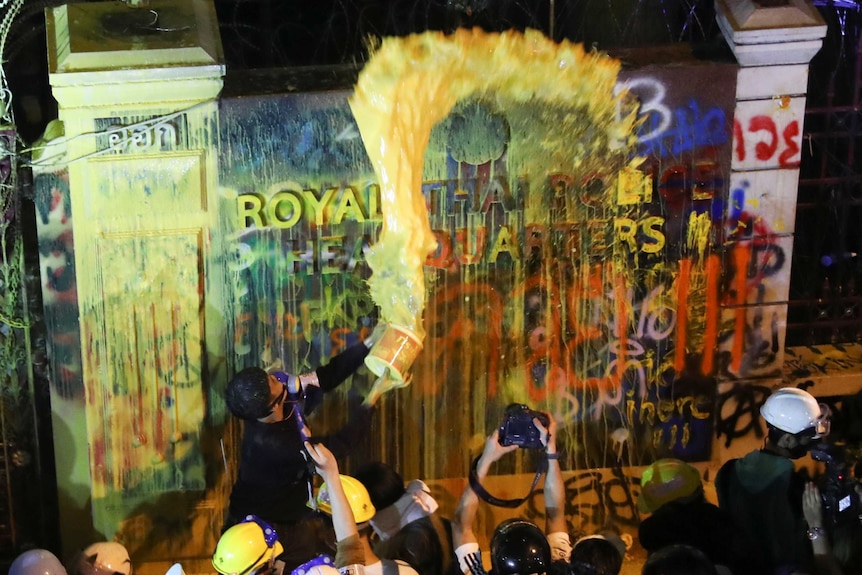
x=838 y=487
x=518 y=427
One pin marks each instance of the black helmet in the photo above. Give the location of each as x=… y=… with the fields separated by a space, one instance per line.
x=518 y=547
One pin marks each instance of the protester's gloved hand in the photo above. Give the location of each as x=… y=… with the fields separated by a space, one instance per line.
x=376 y=334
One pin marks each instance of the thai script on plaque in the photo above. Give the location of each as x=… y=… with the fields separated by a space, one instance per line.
x=160 y=136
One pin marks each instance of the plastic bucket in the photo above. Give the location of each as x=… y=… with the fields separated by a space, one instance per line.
x=395 y=350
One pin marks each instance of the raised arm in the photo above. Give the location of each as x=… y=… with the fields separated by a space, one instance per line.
x=812 y=508
x=348 y=361
x=554 y=492
x=343 y=521
x=465 y=514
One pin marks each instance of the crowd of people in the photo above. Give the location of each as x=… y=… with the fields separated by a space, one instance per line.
x=769 y=519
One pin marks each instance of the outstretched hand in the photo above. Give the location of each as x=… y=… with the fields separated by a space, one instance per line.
x=323 y=459
x=493 y=450
x=812 y=507
x=547 y=435
x=376 y=334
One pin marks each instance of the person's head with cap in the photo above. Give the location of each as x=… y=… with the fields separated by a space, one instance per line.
x=678 y=560
x=357 y=498
x=320 y=565
x=795 y=422
x=519 y=547
x=248 y=548
x=668 y=480
x=36 y=562
x=599 y=554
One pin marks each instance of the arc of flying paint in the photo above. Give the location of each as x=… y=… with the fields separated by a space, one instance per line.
x=410 y=84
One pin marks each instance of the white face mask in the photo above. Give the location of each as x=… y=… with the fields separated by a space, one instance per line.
x=416 y=503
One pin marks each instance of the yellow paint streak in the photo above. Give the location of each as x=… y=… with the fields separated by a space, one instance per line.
x=698 y=233
x=411 y=83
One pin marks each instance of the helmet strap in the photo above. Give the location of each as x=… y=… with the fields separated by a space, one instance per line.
x=477 y=488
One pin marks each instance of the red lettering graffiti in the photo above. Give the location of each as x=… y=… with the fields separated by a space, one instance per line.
x=764 y=134
x=789 y=134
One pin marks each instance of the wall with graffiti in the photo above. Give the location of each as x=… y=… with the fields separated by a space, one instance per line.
x=643 y=308
x=523 y=303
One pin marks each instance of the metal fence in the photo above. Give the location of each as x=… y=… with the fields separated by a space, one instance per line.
x=827 y=255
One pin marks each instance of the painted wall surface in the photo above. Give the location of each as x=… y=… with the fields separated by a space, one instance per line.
x=644 y=308
x=524 y=303
x=130 y=254
x=618 y=301
x=137 y=339
x=603 y=298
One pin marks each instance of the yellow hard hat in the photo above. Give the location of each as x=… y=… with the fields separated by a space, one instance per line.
x=666 y=480
x=357 y=497
x=245 y=547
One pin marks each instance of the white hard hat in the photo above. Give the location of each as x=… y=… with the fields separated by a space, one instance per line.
x=793 y=410
x=37 y=562
x=104 y=558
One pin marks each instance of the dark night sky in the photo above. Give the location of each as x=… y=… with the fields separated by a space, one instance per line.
x=281 y=33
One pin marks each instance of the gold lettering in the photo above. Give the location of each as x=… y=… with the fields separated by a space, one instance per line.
x=496 y=193
x=666 y=408
x=682 y=402
x=656 y=437
x=598 y=235
x=505 y=244
x=695 y=410
x=249 y=206
x=295 y=260
x=462 y=244
x=318 y=207
x=648 y=412
x=652 y=229
x=441 y=258
x=373 y=191
x=275 y=214
x=629 y=187
x=624 y=230
x=348 y=205
x=647 y=188
x=330 y=250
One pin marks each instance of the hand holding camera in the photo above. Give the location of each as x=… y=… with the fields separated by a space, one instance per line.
x=522 y=427
x=525 y=427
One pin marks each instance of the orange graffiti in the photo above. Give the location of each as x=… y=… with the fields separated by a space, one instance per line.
x=740 y=261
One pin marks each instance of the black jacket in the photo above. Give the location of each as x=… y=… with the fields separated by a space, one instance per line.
x=763 y=495
x=273 y=475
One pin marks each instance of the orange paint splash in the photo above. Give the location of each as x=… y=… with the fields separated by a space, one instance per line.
x=740 y=262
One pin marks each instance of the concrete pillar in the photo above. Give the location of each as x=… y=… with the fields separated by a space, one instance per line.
x=137 y=89
x=773 y=45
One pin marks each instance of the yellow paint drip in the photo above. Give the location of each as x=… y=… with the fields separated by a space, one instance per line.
x=699 y=226
x=411 y=83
